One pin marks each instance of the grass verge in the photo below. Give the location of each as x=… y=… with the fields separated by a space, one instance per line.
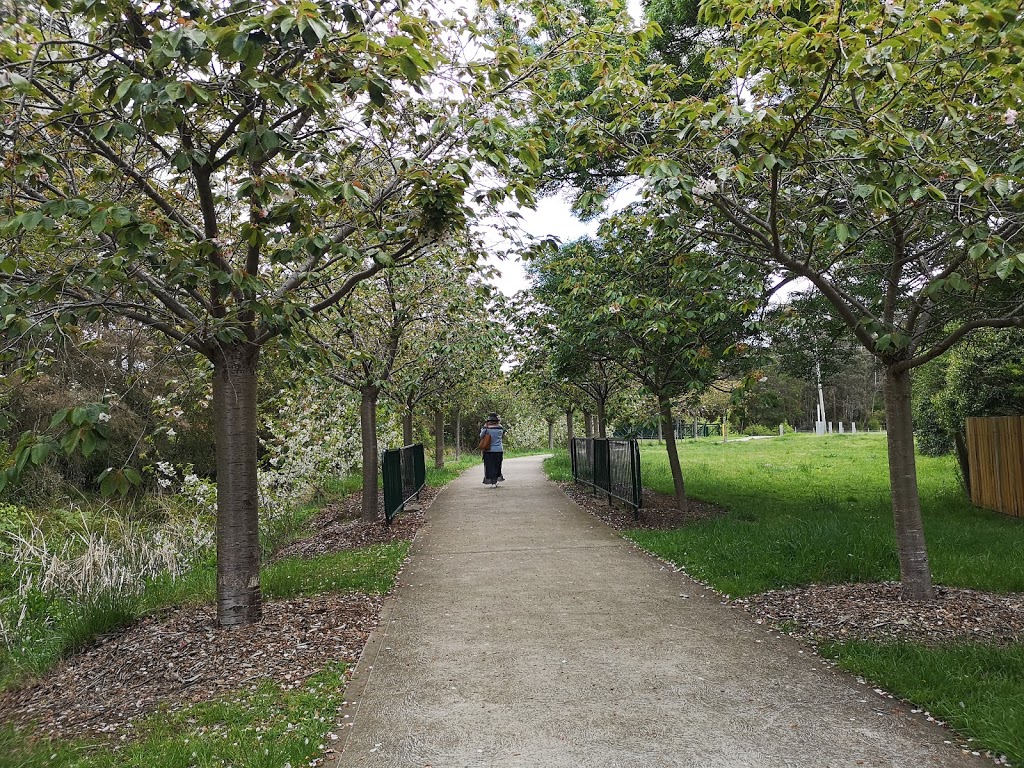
x=978 y=690
x=262 y=727
x=437 y=477
x=371 y=570
x=806 y=509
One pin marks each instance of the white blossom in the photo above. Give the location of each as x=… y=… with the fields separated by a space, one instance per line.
x=705 y=188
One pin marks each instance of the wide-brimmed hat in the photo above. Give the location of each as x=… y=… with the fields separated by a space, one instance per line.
x=492 y=416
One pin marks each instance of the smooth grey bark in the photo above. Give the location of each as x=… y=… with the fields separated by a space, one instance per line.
x=551 y=434
x=915 y=574
x=588 y=423
x=407 y=428
x=569 y=427
x=438 y=438
x=368 y=428
x=668 y=429
x=602 y=424
x=238 y=537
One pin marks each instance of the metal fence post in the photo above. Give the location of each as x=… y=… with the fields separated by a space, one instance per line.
x=602 y=467
x=419 y=468
x=634 y=475
x=609 y=466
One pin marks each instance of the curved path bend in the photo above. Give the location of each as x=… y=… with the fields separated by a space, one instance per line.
x=525 y=632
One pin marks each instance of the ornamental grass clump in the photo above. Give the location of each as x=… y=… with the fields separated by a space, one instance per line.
x=81 y=575
x=113 y=554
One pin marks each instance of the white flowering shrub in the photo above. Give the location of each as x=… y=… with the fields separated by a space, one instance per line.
x=313 y=436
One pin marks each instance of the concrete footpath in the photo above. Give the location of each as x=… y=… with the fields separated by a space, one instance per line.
x=524 y=632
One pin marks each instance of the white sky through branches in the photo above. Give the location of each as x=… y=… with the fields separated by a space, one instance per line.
x=552 y=217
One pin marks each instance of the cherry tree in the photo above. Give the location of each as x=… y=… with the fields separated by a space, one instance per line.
x=221 y=171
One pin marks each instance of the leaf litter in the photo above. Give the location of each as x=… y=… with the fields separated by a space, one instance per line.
x=178 y=657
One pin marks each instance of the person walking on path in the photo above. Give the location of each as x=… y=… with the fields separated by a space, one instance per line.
x=493 y=452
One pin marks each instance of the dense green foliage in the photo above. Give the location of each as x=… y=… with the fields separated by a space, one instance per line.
x=983 y=376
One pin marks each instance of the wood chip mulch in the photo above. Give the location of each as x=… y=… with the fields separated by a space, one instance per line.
x=179 y=657
x=183 y=657
x=658 y=511
x=337 y=527
x=823 y=613
x=875 y=612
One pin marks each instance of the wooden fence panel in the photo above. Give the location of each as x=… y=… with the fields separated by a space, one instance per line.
x=995 y=447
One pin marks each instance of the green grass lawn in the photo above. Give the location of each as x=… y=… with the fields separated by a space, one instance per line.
x=263 y=728
x=268 y=727
x=977 y=689
x=804 y=509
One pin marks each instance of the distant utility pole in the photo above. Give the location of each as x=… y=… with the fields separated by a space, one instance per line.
x=819 y=426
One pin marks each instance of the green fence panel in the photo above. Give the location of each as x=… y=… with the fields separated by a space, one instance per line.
x=405 y=473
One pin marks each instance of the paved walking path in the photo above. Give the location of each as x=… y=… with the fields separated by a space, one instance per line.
x=526 y=633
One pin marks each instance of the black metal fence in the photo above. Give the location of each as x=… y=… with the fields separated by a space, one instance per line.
x=405 y=474
x=611 y=466
x=683 y=430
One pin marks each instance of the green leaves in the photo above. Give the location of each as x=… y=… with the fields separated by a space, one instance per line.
x=81 y=429
x=118 y=481
x=206 y=166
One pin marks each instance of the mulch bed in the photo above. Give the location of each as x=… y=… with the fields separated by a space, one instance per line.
x=875 y=612
x=658 y=511
x=182 y=657
x=337 y=527
x=179 y=657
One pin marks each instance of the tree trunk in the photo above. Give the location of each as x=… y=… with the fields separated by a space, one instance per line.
x=962 y=458
x=238 y=532
x=407 y=427
x=438 y=438
x=458 y=434
x=915 y=574
x=569 y=427
x=588 y=423
x=665 y=407
x=602 y=427
x=368 y=429
x=551 y=434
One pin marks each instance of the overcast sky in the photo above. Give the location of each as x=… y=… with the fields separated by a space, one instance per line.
x=552 y=217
